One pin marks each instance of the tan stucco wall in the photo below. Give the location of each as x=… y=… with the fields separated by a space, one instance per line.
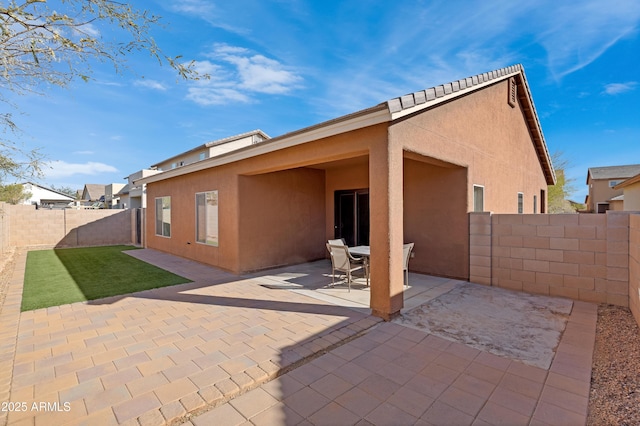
x=632 y=197
x=282 y=218
x=435 y=218
x=420 y=172
x=483 y=133
x=235 y=190
x=616 y=206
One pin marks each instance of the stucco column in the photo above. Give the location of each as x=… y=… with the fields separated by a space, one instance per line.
x=386 y=232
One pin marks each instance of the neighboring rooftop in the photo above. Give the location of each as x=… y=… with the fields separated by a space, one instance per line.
x=258 y=134
x=613 y=172
x=93 y=191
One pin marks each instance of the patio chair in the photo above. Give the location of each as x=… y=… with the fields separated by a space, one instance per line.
x=342 y=261
x=341 y=242
x=406 y=251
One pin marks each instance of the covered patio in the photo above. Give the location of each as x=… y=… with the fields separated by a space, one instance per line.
x=313 y=279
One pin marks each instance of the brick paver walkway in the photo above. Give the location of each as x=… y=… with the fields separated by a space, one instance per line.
x=213 y=351
x=395 y=375
x=154 y=356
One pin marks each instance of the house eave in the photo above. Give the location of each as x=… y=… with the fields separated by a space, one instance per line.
x=361 y=119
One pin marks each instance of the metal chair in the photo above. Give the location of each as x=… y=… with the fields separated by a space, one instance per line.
x=342 y=261
x=406 y=251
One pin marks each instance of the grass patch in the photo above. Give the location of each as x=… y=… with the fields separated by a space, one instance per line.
x=60 y=276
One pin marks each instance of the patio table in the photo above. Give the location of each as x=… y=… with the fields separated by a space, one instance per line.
x=365 y=252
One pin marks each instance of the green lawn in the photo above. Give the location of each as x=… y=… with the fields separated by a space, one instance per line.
x=60 y=276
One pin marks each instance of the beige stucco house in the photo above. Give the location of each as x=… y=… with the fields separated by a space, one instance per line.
x=603 y=192
x=212 y=149
x=406 y=170
x=630 y=193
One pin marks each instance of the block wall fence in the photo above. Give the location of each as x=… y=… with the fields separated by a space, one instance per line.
x=588 y=257
x=24 y=226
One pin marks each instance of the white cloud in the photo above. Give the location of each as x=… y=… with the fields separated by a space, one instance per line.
x=617 y=88
x=83 y=152
x=237 y=75
x=150 y=84
x=576 y=36
x=58 y=169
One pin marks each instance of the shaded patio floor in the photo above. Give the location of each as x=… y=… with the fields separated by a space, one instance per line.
x=314 y=280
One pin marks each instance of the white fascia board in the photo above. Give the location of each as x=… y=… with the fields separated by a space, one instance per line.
x=330 y=128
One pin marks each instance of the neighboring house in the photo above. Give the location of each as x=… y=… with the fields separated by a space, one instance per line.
x=406 y=170
x=135 y=195
x=111 y=197
x=212 y=149
x=123 y=198
x=602 y=182
x=45 y=197
x=630 y=193
x=93 y=192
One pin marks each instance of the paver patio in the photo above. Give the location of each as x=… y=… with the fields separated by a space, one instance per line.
x=219 y=345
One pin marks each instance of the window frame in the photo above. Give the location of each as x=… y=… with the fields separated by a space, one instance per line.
x=207 y=219
x=520 y=203
x=474 y=198
x=159 y=219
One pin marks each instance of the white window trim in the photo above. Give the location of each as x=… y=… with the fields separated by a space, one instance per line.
x=156 y=216
x=474 y=196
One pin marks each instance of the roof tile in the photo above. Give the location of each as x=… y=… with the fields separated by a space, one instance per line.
x=407 y=101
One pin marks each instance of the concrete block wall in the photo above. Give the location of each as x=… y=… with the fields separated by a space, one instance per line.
x=582 y=257
x=634 y=266
x=480 y=248
x=24 y=226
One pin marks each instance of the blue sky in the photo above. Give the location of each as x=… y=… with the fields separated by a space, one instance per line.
x=282 y=65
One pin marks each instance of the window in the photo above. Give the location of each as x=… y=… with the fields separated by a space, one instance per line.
x=202 y=156
x=207 y=218
x=535 y=204
x=613 y=183
x=478 y=198
x=520 y=202
x=543 y=199
x=163 y=216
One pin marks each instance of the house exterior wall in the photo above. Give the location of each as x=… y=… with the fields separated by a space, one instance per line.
x=483 y=133
x=601 y=192
x=441 y=240
x=289 y=226
x=616 y=205
x=583 y=257
x=39 y=194
x=238 y=182
x=634 y=266
x=632 y=197
x=439 y=162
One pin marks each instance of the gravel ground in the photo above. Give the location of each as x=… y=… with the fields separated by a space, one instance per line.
x=615 y=376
